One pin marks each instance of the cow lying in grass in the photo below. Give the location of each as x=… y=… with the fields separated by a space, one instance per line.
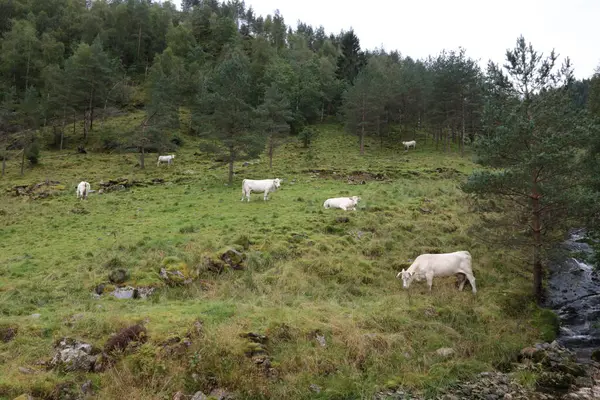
x=165 y=159
x=408 y=145
x=260 y=186
x=429 y=265
x=82 y=190
x=345 y=203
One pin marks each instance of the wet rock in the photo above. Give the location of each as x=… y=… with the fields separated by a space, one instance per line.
x=445 y=352
x=73 y=355
x=118 y=276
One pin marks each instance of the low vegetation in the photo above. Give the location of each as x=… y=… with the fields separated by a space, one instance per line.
x=319 y=284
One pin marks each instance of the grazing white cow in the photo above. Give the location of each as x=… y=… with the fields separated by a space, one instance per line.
x=82 y=190
x=259 y=186
x=345 y=203
x=429 y=265
x=168 y=159
x=408 y=145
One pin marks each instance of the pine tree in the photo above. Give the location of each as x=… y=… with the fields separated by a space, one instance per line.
x=276 y=115
x=534 y=137
x=352 y=59
x=223 y=110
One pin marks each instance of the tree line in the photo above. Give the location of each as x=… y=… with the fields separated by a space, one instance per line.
x=248 y=82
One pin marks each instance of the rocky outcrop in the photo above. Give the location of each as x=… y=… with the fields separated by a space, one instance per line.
x=558 y=376
x=73 y=355
x=174 y=272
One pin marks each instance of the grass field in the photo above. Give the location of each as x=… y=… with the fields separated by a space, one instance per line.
x=308 y=270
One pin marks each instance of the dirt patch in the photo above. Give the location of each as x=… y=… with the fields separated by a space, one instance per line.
x=352 y=178
x=124 y=183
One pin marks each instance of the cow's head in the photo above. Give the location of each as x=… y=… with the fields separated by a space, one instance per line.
x=172 y=155
x=355 y=199
x=407 y=278
x=277 y=182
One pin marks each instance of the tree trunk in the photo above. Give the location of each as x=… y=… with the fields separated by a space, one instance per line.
x=4 y=163
x=23 y=163
x=271 y=150
x=91 y=108
x=142 y=165
x=85 y=125
x=437 y=138
x=362 y=130
x=322 y=111
x=64 y=125
x=462 y=135
x=537 y=244
x=231 y=160
x=139 y=43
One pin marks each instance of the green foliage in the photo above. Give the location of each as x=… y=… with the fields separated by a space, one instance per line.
x=224 y=111
x=307 y=136
x=534 y=139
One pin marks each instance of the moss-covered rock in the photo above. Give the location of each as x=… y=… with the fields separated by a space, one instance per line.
x=118 y=276
x=232 y=257
x=175 y=271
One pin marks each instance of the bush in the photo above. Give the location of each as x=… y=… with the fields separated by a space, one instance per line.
x=307 y=135
x=33 y=153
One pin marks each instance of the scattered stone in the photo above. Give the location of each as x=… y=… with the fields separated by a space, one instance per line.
x=36 y=316
x=73 y=355
x=315 y=388
x=321 y=339
x=26 y=371
x=87 y=387
x=445 y=352
x=221 y=394
x=198 y=396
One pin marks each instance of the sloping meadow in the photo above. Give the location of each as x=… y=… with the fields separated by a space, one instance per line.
x=319 y=285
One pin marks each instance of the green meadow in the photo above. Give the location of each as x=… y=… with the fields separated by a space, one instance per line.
x=309 y=271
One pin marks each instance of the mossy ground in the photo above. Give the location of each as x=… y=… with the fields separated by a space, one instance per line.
x=307 y=270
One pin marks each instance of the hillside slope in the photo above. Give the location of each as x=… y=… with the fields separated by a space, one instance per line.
x=320 y=284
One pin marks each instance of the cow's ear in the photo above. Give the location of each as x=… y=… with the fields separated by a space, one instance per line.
x=402 y=270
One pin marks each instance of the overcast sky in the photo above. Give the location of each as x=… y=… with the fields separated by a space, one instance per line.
x=484 y=28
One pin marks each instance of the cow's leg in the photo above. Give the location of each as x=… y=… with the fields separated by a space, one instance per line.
x=266 y=197
x=429 y=277
x=471 y=279
x=462 y=279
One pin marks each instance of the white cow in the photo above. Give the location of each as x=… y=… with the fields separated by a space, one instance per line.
x=83 y=189
x=168 y=159
x=259 y=186
x=429 y=265
x=345 y=203
x=408 y=145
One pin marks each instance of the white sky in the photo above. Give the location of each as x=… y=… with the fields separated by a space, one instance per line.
x=418 y=28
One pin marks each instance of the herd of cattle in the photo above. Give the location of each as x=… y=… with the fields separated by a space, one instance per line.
x=425 y=266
